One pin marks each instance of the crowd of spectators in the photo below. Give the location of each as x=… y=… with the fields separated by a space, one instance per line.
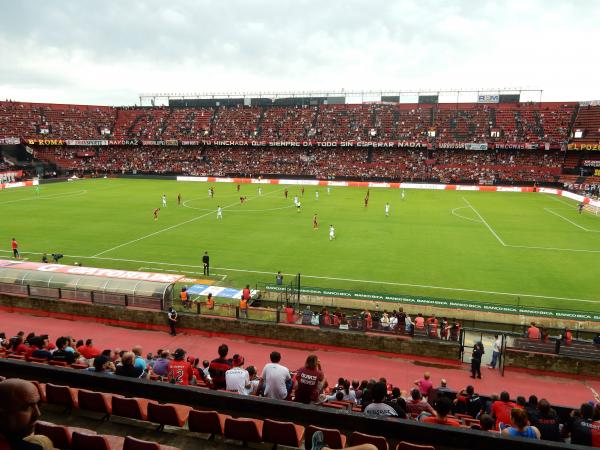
x=314 y=162
x=503 y=123
x=424 y=401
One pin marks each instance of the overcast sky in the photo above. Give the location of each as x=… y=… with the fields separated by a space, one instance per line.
x=84 y=51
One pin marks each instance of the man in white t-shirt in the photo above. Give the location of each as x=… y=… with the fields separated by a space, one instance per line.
x=275 y=376
x=378 y=408
x=237 y=378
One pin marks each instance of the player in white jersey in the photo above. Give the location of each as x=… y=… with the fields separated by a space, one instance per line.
x=164 y=201
x=298 y=206
x=259 y=191
x=296 y=201
x=328 y=190
x=317 y=195
x=331 y=233
x=387 y=210
x=402 y=194
x=219 y=213
x=209 y=192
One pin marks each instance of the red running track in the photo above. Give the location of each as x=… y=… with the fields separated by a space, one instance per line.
x=336 y=362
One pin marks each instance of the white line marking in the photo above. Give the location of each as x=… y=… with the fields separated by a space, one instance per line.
x=176 y=226
x=46 y=197
x=485 y=223
x=555 y=249
x=390 y=283
x=571 y=222
x=454 y=213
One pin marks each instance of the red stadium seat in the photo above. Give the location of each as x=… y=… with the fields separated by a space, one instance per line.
x=357 y=438
x=282 y=433
x=84 y=441
x=245 y=430
x=168 y=414
x=408 y=446
x=58 y=434
x=95 y=401
x=61 y=395
x=133 y=408
x=208 y=422
x=132 y=443
x=333 y=438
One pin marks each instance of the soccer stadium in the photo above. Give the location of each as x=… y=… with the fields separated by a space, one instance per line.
x=232 y=263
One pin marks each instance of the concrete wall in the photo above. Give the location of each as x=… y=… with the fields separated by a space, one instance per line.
x=551 y=363
x=146 y=319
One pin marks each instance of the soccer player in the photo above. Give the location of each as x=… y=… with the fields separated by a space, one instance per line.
x=317 y=195
x=238 y=188
x=302 y=190
x=328 y=190
x=259 y=191
x=156 y=214
x=331 y=233
x=402 y=194
x=296 y=200
x=285 y=193
x=387 y=210
x=298 y=206
x=164 y=201
x=315 y=223
x=366 y=200
x=179 y=199
x=15 y=248
x=581 y=206
x=219 y=212
x=210 y=192
x=243 y=199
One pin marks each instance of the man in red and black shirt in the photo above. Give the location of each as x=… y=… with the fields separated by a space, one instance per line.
x=179 y=370
x=501 y=409
x=219 y=366
x=15 y=248
x=583 y=429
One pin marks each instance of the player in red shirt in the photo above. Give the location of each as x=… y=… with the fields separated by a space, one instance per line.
x=156 y=214
x=179 y=370
x=315 y=223
x=15 y=248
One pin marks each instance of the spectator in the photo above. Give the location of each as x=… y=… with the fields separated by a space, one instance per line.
x=179 y=370
x=597 y=339
x=487 y=423
x=547 y=422
x=582 y=428
x=102 y=364
x=218 y=367
x=442 y=409
x=533 y=332
x=309 y=380
x=425 y=385
x=127 y=368
x=161 y=365
x=378 y=408
x=501 y=409
x=139 y=359
x=417 y=405
x=519 y=427
x=61 y=353
x=275 y=378
x=254 y=381
x=18 y=345
x=468 y=402
x=19 y=411
x=88 y=351
x=204 y=372
x=531 y=407
x=237 y=379
x=420 y=322
x=39 y=350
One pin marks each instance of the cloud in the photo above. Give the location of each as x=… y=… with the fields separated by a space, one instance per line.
x=109 y=52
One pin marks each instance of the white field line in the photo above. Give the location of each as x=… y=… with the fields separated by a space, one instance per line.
x=571 y=222
x=175 y=226
x=572 y=205
x=485 y=223
x=46 y=197
x=555 y=249
x=389 y=283
x=454 y=213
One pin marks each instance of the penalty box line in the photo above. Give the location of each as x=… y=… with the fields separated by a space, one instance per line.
x=485 y=223
x=389 y=283
x=570 y=221
x=177 y=225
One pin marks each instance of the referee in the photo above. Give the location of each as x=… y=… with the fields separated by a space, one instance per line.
x=206 y=264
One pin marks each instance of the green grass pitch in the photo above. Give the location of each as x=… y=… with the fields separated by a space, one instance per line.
x=531 y=249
